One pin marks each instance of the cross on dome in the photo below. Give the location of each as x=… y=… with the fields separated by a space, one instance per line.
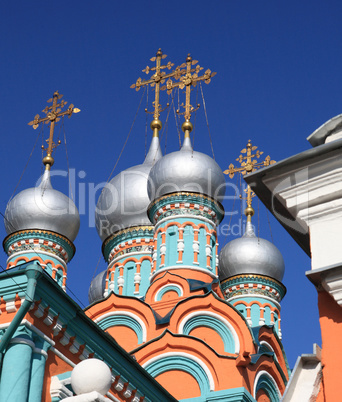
x=156 y=79
x=53 y=115
x=188 y=77
x=248 y=165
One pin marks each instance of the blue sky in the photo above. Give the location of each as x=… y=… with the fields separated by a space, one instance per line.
x=278 y=70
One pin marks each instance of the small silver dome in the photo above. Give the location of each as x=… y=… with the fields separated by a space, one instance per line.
x=43 y=208
x=186 y=170
x=97 y=287
x=123 y=202
x=251 y=255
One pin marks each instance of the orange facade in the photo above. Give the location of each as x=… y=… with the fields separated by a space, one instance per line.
x=164 y=321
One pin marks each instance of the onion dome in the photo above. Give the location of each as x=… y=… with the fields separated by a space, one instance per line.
x=97 y=287
x=43 y=208
x=251 y=255
x=123 y=202
x=186 y=170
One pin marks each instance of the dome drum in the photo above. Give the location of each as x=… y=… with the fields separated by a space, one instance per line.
x=39 y=240
x=257 y=285
x=135 y=239
x=186 y=203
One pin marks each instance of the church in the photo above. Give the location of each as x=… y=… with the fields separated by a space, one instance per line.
x=171 y=317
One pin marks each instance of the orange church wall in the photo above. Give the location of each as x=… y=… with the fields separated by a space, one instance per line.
x=124 y=336
x=117 y=303
x=7 y=316
x=182 y=385
x=266 y=334
x=202 y=342
x=166 y=279
x=187 y=273
x=170 y=295
x=54 y=366
x=267 y=364
x=142 y=310
x=210 y=303
x=320 y=396
x=218 y=365
x=210 y=337
x=331 y=328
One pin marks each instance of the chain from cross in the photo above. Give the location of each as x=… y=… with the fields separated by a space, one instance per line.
x=188 y=77
x=156 y=79
x=248 y=165
x=53 y=115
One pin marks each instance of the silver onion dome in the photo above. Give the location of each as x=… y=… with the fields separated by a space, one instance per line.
x=251 y=255
x=97 y=287
x=123 y=201
x=43 y=208
x=186 y=170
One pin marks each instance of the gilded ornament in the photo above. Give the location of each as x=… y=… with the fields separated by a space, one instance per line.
x=188 y=77
x=156 y=79
x=248 y=165
x=53 y=115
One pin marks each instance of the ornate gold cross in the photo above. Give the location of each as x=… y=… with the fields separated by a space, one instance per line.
x=188 y=77
x=53 y=115
x=248 y=165
x=156 y=79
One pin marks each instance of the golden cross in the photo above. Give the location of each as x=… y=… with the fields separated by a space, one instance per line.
x=53 y=115
x=156 y=79
x=248 y=165
x=186 y=80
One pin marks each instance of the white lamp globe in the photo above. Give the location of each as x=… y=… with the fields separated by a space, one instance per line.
x=91 y=375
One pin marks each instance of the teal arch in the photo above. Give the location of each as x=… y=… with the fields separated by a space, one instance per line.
x=116 y=277
x=188 y=237
x=213 y=252
x=242 y=309
x=267 y=315
x=214 y=324
x=169 y=288
x=159 y=242
x=266 y=383
x=264 y=349
x=145 y=270
x=182 y=363
x=202 y=256
x=125 y=320
x=129 y=271
x=171 y=256
x=255 y=314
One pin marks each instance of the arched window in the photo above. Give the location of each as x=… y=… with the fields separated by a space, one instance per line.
x=183 y=362
x=171 y=256
x=264 y=381
x=188 y=236
x=215 y=322
x=255 y=314
x=267 y=315
x=123 y=319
